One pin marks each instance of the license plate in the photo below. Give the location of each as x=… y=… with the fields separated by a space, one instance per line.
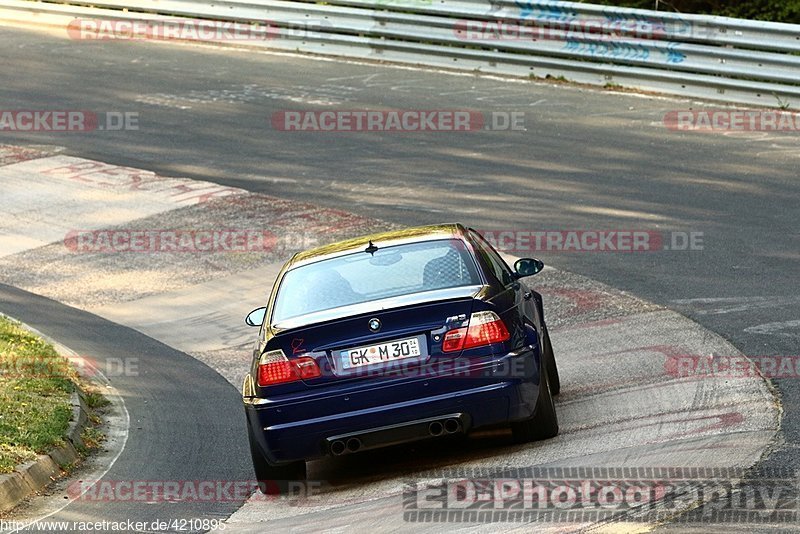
x=381 y=353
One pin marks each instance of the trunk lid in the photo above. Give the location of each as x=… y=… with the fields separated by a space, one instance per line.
x=396 y=338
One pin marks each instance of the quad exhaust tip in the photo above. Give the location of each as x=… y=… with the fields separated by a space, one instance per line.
x=451 y=426
x=448 y=426
x=436 y=428
x=353 y=444
x=338 y=447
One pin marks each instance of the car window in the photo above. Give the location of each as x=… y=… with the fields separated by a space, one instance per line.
x=363 y=277
x=498 y=267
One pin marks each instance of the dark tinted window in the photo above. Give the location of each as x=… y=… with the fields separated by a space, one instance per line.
x=498 y=267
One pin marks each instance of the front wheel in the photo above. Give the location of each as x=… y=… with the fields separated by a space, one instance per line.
x=273 y=479
x=544 y=423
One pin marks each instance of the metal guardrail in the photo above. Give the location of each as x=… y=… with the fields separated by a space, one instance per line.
x=716 y=58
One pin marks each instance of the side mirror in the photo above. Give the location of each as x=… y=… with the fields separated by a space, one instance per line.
x=255 y=317
x=527 y=267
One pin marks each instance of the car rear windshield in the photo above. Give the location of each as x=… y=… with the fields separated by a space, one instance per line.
x=363 y=277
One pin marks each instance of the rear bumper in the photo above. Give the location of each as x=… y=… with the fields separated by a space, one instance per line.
x=307 y=426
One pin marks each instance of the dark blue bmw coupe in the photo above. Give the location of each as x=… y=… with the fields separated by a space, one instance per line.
x=396 y=337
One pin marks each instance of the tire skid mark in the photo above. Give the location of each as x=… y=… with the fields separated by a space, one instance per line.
x=583 y=301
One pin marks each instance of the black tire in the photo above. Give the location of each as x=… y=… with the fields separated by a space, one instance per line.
x=544 y=423
x=273 y=479
x=552 y=367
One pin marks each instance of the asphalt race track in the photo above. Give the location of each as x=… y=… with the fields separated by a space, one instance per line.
x=586 y=160
x=625 y=403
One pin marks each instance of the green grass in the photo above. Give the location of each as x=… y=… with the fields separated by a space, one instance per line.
x=35 y=388
x=95 y=400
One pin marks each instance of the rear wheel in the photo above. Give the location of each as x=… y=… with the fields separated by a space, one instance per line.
x=544 y=423
x=552 y=368
x=273 y=479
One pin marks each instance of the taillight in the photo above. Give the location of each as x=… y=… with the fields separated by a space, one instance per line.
x=275 y=368
x=484 y=328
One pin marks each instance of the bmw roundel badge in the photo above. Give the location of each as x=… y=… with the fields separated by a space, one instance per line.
x=375 y=324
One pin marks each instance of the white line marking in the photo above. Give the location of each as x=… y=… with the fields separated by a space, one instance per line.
x=775 y=328
x=717 y=306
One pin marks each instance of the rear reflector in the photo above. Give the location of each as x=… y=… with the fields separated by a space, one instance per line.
x=484 y=328
x=275 y=368
x=454 y=340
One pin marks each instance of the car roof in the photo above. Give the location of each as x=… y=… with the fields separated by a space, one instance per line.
x=383 y=239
